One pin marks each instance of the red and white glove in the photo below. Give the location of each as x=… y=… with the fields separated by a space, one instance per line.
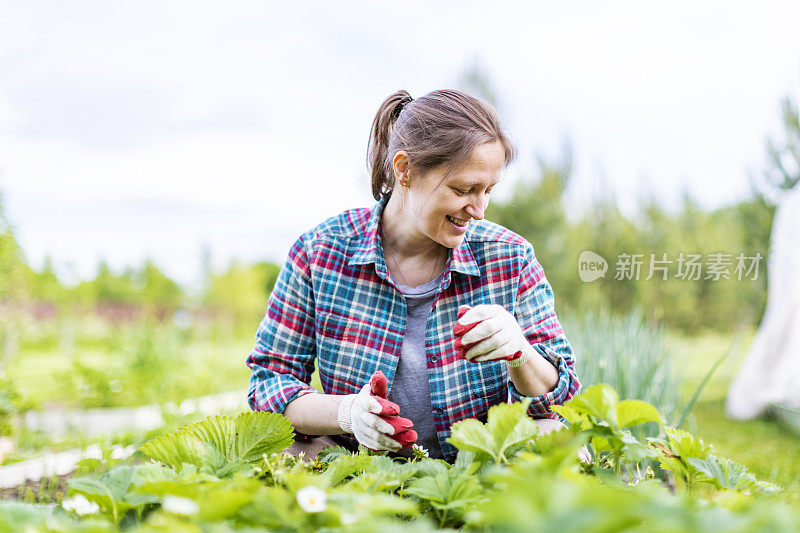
x=374 y=420
x=488 y=332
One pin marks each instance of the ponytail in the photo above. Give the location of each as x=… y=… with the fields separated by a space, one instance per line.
x=380 y=135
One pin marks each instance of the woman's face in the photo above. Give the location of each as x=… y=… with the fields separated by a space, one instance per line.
x=443 y=210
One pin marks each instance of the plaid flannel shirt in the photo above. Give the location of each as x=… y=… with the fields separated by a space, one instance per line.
x=335 y=301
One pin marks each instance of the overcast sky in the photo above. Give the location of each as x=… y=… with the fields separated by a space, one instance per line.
x=133 y=129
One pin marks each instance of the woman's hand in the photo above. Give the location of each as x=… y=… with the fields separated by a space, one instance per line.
x=358 y=414
x=487 y=332
x=374 y=420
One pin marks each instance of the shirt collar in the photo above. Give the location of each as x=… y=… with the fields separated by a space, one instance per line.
x=369 y=249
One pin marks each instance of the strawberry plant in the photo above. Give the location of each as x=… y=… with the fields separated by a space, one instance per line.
x=222 y=445
x=229 y=474
x=676 y=449
x=507 y=428
x=599 y=413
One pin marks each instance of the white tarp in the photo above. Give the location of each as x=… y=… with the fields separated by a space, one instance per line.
x=770 y=372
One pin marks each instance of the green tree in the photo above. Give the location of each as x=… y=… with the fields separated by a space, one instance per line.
x=605 y=231
x=147 y=286
x=155 y=288
x=108 y=287
x=15 y=274
x=783 y=168
x=46 y=285
x=241 y=292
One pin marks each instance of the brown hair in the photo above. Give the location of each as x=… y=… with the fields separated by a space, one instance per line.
x=441 y=128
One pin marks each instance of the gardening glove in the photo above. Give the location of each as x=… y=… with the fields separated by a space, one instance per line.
x=403 y=434
x=373 y=419
x=489 y=332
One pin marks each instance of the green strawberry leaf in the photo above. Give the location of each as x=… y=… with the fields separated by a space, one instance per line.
x=724 y=473
x=570 y=413
x=345 y=466
x=234 y=442
x=510 y=425
x=175 y=449
x=599 y=401
x=473 y=436
x=449 y=489
x=633 y=412
x=107 y=491
x=507 y=427
x=247 y=437
x=686 y=445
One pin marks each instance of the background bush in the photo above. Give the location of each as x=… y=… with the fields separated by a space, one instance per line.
x=629 y=354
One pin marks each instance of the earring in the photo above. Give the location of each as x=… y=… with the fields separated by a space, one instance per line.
x=404 y=182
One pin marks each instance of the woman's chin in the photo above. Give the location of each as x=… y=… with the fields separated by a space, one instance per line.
x=451 y=241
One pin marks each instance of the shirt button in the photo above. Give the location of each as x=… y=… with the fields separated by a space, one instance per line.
x=439 y=411
x=434 y=359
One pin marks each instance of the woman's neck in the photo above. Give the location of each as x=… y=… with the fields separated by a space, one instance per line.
x=402 y=238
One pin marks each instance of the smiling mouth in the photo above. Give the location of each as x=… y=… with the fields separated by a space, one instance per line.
x=457 y=221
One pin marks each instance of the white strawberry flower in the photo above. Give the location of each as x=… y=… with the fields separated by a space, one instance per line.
x=80 y=505
x=178 y=505
x=312 y=499
x=419 y=452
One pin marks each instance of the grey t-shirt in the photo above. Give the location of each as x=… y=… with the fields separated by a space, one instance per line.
x=410 y=386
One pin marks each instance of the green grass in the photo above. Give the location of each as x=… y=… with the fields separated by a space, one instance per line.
x=767 y=448
x=41 y=377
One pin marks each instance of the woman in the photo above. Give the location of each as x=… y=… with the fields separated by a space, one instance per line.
x=380 y=289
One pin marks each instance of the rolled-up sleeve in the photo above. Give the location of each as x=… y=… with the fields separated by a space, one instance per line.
x=282 y=360
x=535 y=313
